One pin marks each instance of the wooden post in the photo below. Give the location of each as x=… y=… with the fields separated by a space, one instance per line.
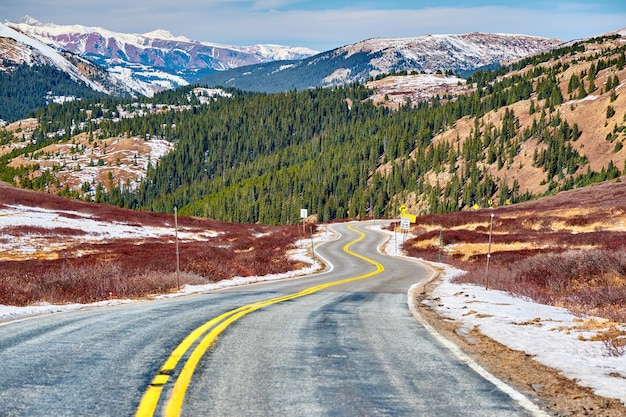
x=177 y=254
x=489 y=253
x=440 y=242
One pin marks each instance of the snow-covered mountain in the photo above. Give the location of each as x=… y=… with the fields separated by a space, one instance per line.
x=372 y=57
x=155 y=60
x=458 y=53
x=19 y=48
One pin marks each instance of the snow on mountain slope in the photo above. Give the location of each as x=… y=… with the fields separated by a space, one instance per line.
x=36 y=51
x=156 y=60
x=430 y=53
x=372 y=57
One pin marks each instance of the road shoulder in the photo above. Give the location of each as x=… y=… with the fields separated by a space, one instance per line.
x=556 y=394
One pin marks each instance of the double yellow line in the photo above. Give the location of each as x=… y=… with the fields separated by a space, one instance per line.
x=208 y=333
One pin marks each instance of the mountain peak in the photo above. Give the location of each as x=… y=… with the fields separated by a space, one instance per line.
x=29 y=20
x=372 y=57
x=165 y=35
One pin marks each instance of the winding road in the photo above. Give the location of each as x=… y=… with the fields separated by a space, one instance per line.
x=338 y=343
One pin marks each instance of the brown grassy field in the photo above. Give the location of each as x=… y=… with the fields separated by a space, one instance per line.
x=66 y=266
x=567 y=250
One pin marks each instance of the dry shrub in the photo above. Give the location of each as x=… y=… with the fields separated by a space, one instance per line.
x=86 y=272
x=41 y=231
x=613 y=340
x=614 y=347
x=215 y=270
x=81 y=283
x=585 y=281
x=14 y=291
x=464 y=236
x=126 y=268
x=574 y=268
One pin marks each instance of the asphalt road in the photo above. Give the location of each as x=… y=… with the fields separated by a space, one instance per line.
x=339 y=343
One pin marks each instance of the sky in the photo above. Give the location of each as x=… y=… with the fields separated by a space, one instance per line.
x=326 y=24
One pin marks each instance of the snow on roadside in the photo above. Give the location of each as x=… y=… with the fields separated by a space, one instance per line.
x=299 y=254
x=552 y=335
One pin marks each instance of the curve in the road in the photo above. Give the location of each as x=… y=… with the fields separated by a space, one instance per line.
x=209 y=332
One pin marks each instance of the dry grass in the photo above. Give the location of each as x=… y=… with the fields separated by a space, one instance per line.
x=568 y=250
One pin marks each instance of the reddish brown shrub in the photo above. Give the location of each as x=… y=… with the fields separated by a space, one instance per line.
x=586 y=281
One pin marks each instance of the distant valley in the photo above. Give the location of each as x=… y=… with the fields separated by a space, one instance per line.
x=398 y=126
x=132 y=65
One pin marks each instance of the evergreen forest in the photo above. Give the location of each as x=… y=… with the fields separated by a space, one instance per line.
x=24 y=88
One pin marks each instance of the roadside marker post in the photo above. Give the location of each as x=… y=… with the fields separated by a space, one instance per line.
x=177 y=254
x=489 y=252
x=440 y=242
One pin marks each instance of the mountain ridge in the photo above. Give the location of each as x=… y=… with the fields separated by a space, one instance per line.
x=153 y=61
x=33 y=75
x=366 y=59
x=45 y=54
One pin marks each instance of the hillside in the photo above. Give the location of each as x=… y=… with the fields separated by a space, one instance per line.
x=87 y=164
x=568 y=133
x=33 y=75
x=544 y=124
x=519 y=133
x=61 y=250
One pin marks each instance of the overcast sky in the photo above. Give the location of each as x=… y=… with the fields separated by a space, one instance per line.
x=327 y=24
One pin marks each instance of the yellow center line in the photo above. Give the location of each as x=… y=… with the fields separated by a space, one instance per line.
x=215 y=327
